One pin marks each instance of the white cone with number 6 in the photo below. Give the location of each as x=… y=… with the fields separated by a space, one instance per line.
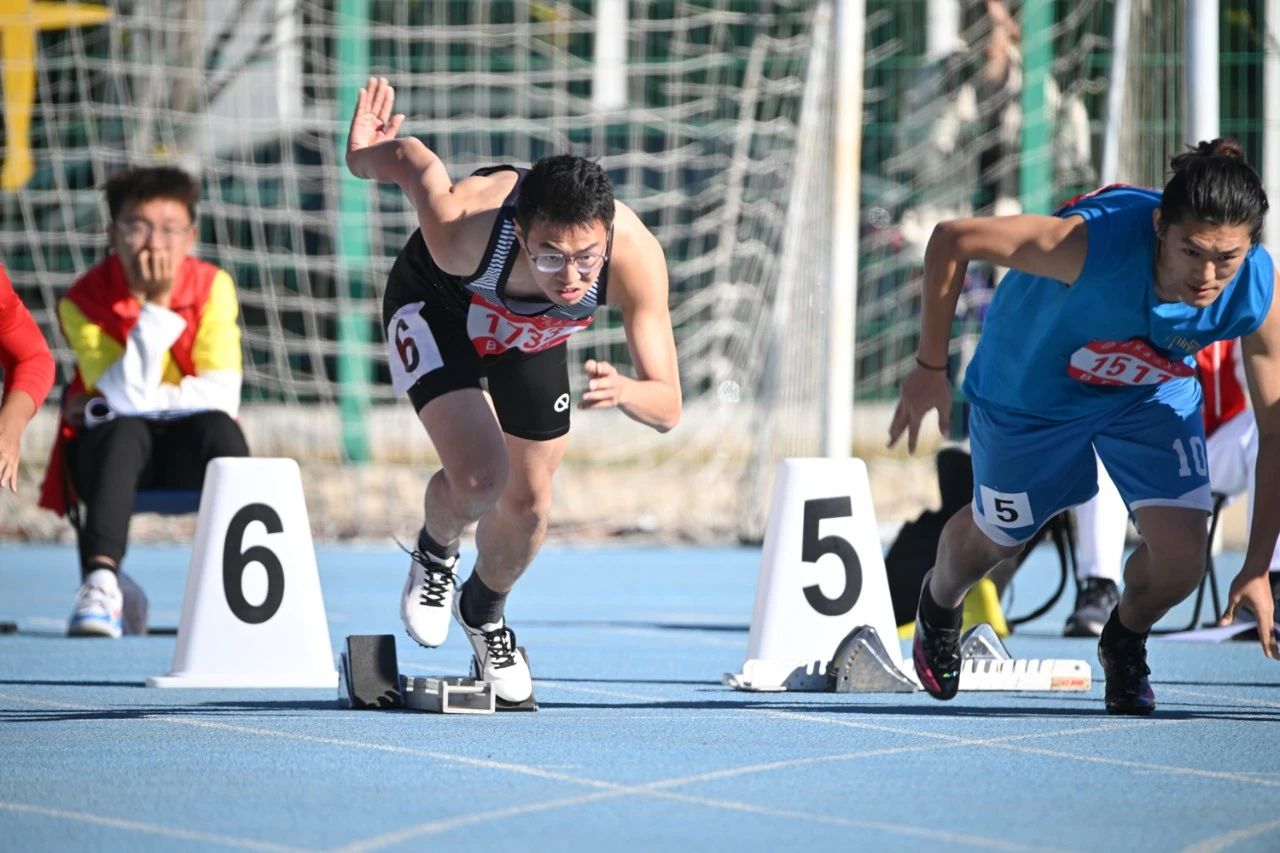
x=821 y=576
x=252 y=615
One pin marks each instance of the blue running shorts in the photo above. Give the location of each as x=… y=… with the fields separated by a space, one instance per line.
x=1027 y=470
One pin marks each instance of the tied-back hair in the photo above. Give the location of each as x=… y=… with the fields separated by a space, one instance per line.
x=144 y=184
x=565 y=190
x=1214 y=184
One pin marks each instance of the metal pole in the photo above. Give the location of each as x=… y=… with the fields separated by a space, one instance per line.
x=1271 y=120
x=1201 y=70
x=842 y=272
x=942 y=28
x=1115 y=93
x=609 y=77
x=354 y=369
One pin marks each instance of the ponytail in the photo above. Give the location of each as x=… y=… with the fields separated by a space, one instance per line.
x=1212 y=183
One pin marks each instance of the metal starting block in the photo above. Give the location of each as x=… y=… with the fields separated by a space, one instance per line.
x=448 y=695
x=987 y=665
x=862 y=665
x=367 y=674
x=500 y=704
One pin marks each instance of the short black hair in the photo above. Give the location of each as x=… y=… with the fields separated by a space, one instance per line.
x=565 y=190
x=1213 y=183
x=144 y=184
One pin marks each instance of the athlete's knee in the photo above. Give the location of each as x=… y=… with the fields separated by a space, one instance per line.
x=964 y=539
x=478 y=484
x=529 y=506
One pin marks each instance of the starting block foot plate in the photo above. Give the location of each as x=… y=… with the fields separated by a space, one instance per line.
x=448 y=695
x=861 y=665
x=368 y=677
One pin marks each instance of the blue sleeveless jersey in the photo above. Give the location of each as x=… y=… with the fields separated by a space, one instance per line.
x=1050 y=351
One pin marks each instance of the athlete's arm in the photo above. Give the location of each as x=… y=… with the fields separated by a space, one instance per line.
x=638 y=283
x=1047 y=246
x=443 y=207
x=1262 y=370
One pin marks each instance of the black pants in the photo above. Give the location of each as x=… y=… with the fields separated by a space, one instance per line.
x=109 y=463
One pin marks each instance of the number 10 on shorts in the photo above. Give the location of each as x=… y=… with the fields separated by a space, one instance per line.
x=1005 y=509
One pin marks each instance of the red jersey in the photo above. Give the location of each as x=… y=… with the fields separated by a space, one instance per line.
x=25 y=359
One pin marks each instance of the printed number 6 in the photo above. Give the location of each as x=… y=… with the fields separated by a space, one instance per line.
x=407 y=347
x=812 y=548
x=1005 y=510
x=234 y=562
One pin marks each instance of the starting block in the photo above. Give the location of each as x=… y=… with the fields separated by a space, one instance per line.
x=369 y=679
x=987 y=665
x=448 y=695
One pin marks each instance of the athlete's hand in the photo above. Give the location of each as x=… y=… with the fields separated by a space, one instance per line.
x=11 y=427
x=1254 y=593
x=372 y=123
x=604 y=386
x=922 y=390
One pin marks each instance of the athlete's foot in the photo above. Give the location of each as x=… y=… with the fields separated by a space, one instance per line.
x=1123 y=656
x=936 y=652
x=428 y=592
x=98 y=608
x=500 y=662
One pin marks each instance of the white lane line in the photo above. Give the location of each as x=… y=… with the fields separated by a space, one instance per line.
x=1219 y=699
x=148 y=828
x=608 y=790
x=1222 y=842
x=1007 y=743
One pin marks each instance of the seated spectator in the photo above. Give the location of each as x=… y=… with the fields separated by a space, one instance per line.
x=27 y=367
x=156 y=388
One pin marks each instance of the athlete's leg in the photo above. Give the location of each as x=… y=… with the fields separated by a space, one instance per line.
x=474 y=464
x=1166 y=567
x=511 y=532
x=965 y=556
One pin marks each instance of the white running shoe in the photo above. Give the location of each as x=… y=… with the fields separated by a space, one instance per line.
x=428 y=592
x=501 y=663
x=99 y=607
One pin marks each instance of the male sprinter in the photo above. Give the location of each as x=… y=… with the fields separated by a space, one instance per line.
x=505 y=266
x=1088 y=346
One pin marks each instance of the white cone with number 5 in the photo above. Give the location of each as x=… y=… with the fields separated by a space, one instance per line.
x=252 y=615
x=821 y=576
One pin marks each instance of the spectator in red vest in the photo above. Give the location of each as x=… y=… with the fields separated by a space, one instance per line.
x=27 y=367
x=156 y=388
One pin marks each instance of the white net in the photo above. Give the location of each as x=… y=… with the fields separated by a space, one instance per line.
x=254 y=98
x=715 y=128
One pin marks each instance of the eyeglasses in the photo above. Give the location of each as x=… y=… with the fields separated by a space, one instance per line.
x=140 y=230
x=552 y=262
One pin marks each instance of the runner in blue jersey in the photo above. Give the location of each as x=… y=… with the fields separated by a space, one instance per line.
x=506 y=265
x=1088 y=345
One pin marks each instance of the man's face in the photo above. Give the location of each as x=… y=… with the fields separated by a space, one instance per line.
x=565 y=259
x=1196 y=260
x=152 y=238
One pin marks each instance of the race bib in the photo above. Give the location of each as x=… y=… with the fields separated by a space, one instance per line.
x=1132 y=362
x=411 y=348
x=493 y=329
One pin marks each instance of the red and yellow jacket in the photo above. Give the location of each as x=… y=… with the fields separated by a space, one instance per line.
x=146 y=360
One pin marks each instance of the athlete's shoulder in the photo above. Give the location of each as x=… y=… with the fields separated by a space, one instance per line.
x=1111 y=201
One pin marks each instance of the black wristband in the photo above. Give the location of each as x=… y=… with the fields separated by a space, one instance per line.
x=942 y=369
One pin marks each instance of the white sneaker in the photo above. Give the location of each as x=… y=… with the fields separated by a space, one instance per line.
x=99 y=607
x=501 y=663
x=428 y=592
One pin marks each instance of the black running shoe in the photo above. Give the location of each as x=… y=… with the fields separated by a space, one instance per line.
x=1124 y=664
x=936 y=652
x=1095 y=600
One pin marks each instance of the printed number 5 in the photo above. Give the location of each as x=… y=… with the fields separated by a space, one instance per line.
x=813 y=548
x=1006 y=510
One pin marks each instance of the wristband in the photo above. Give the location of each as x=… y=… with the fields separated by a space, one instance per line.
x=942 y=369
